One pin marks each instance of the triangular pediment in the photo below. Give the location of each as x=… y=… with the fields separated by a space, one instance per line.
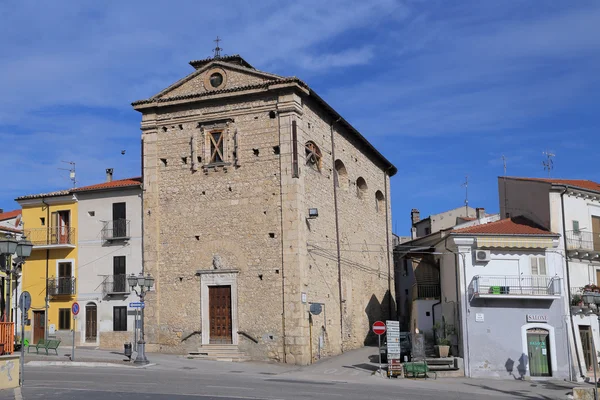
x=216 y=75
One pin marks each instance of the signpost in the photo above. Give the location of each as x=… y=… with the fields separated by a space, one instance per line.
x=393 y=348
x=379 y=329
x=24 y=305
x=137 y=304
x=75 y=311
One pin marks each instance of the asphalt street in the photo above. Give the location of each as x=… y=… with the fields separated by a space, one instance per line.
x=65 y=383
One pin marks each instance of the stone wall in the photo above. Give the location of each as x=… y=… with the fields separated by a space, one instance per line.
x=115 y=340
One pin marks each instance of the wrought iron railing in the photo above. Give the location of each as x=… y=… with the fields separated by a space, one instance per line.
x=61 y=286
x=52 y=235
x=517 y=285
x=115 y=284
x=116 y=229
x=421 y=291
x=583 y=240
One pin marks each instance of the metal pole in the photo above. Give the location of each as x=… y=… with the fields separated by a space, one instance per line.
x=135 y=330
x=22 y=360
x=379 y=351
x=595 y=361
x=73 y=349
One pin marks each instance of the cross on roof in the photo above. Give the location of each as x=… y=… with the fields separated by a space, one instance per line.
x=217 y=49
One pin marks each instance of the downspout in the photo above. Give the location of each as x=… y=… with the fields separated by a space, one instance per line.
x=48 y=227
x=387 y=241
x=564 y=227
x=337 y=237
x=282 y=245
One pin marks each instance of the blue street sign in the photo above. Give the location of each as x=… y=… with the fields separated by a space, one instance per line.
x=136 y=305
x=75 y=308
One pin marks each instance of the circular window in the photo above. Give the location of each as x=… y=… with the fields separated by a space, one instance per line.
x=216 y=79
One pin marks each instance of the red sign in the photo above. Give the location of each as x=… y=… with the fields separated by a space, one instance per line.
x=379 y=328
x=75 y=308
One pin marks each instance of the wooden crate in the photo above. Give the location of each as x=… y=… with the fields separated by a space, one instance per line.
x=7 y=336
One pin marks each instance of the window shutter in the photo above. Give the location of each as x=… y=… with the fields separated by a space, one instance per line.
x=534 y=265
x=542 y=265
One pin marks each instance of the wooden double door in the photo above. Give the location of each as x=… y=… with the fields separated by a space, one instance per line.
x=219 y=303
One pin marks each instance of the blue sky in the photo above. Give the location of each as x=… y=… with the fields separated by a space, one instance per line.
x=442 y=88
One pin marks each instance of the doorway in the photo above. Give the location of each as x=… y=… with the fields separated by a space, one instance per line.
x=538 y=347
x=220 y=314
x=65 y=275
x=119 y=220
x=39 y=320
x=585 y=333
x=91 y=325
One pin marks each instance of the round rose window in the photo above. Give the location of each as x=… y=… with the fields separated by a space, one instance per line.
x=216 y=80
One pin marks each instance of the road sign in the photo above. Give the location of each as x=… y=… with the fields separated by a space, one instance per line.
x=138 y=304
x=75 y=308
x=379 y=328
x=25 y=301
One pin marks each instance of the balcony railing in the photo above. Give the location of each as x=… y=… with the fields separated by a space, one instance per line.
x=61 y=286
x=423 y=292
x=583 y=240
x=116 y=230
x=115 y=284
x=52 y=236
x=515 y=286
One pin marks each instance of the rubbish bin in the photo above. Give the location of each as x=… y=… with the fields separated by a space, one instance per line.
x=127 y=349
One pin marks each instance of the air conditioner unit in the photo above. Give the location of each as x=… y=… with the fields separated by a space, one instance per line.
x=483 y=255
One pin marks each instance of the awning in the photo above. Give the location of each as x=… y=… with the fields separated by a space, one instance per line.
x=520 y=242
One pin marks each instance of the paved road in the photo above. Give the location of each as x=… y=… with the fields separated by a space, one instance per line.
x=65 y=383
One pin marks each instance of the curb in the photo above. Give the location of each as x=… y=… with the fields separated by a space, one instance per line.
x=81 y=364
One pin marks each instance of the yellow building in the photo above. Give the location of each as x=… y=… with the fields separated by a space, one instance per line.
x=49 y=275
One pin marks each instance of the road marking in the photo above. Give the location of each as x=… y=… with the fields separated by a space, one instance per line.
x=228 y=387
x=18 y=394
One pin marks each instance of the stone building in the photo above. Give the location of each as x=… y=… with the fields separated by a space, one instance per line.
x=260 y=201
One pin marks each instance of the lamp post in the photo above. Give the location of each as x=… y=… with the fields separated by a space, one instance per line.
x=22 y=248
x=145 y=283
x=8 y=247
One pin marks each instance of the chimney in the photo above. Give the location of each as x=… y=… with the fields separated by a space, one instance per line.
x=480 y=213
x=1 y=210
x=109 y=173
x=415 y=216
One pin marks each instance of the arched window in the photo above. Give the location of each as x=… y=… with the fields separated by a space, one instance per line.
x=379 y=201
x=342 y=174
x=313 y=155
x=361 y=187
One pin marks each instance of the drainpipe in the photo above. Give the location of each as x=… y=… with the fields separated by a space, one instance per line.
x=564 y=226
x=387 y=241
x=337 y=237
x=48 y=227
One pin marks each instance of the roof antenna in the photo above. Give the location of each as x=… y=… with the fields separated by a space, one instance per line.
x=548 y=164
x=504 y=164
x=466 y=186
x=71 y=171
x=217 y=50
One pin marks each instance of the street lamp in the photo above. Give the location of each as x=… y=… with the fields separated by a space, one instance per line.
x=145 y=283
x=8 y=246
x=24 y=247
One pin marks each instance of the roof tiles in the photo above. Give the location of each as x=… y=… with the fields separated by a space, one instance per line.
x=510 y=226
x=137 y=181
x=9 y=215
x=578 y=183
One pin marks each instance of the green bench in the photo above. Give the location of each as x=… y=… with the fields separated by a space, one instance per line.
x=417 y=368
x=45 y=345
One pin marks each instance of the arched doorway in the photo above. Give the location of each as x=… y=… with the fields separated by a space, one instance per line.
x=91 y=325
x=538 y=349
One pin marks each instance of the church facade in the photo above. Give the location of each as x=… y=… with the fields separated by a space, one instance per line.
x=267 y=221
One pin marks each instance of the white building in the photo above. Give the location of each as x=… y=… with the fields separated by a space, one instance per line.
x=109 y=249
x=572 y=209
x=500 y=299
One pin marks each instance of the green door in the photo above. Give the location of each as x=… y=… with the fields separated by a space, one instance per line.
x=538 y=346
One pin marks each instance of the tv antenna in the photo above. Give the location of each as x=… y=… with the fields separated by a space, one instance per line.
x=71 y=170
x=504 y=163
x=466 y=186
x=548 y=164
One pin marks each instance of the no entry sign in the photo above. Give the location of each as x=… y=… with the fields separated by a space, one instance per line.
x=75 y=308
x=379 y=328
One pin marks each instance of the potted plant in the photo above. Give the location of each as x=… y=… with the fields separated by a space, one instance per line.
x=443 y=347
x=443 y=335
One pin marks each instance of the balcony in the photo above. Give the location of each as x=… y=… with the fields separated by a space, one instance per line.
x=583 y=244
x=62 y=237
x=61 y=286
x=115 y=285
x=425 y=292
x=116 y=230
x=517 y=286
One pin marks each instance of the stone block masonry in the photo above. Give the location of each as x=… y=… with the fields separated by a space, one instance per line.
x=226 y=198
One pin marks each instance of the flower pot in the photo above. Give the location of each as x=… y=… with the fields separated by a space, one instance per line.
x=443 y=351
x=576 y=309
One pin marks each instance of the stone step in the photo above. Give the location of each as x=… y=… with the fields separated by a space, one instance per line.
x=220 y=357
x=218 y=352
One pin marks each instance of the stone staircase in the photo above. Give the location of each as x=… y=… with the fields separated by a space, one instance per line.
x=219 y=352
